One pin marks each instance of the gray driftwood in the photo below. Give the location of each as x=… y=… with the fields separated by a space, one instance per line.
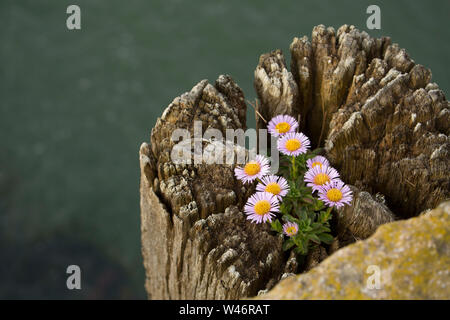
x=384 y=127
x=196 y=242
x=383 y=124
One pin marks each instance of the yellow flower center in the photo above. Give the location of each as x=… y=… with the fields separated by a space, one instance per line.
x=316 y=164
x=273 y=188
x=321 y=179
x=291 y=231
x=293 y=144
x=262 y=207
x=252 y=168
x=283 y=127
x=334 y=194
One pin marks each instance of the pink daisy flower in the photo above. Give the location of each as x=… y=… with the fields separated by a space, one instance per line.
x=293 y=144
x=254 y=169
x=290 y=229
x=317 y=161
x=281 y=125
x=319 y=175
x=261 y=207
x=275 y=185
x=335 y=194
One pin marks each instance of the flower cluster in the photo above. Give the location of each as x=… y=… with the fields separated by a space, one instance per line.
x=263 y=205
x=306 y=217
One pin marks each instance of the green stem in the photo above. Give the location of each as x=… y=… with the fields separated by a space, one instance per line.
x=294 y=169
x=329 y=213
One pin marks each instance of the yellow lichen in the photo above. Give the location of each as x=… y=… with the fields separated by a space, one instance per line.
x=412 y=256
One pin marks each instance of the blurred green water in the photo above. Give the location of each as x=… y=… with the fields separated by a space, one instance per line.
x=75 y=106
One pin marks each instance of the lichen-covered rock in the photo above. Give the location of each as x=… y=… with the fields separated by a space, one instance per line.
x=413 y=257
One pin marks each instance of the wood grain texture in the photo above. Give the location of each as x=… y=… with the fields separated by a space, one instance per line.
x=382 y=124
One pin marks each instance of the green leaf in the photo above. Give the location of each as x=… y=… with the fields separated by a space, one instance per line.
x=314 y=238
x=303 y=215
x=276 y=226
x=326 y=238
x=319 y=205
x=288 y=244
x=288 y=218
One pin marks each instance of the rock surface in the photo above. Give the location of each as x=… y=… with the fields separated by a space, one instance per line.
x=413 y=257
